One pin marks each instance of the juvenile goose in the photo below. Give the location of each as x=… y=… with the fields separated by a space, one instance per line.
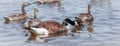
x=49 y=2
x=18 y=16
x=35 y=19
x=85 y=19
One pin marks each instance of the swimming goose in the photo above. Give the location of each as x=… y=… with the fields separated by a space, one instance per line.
x=50 y=2
x=85 y=19
x=18 y=16
x=46 y=27
x=35 y=19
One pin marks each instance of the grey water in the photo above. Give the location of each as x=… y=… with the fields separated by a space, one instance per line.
x=106 y=22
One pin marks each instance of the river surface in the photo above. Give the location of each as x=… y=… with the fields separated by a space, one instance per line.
x=106 y=23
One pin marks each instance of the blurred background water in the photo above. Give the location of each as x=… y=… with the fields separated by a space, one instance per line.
x=106 y=22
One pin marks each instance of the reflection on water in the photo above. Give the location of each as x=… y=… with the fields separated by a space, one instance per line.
x=106 y=24
x=45 y=38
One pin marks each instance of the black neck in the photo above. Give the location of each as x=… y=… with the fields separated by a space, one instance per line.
x=67 y=20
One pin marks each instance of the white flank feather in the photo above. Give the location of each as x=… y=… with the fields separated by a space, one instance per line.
x=40 y=30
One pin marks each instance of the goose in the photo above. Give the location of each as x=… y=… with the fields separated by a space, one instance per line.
x=46 y=27
x=35 y=19
x=85 y=19
x=49 y=28
x=18 y=16
x=76 y=26
x=59 y=5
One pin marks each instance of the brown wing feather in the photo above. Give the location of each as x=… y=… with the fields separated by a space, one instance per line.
x=89 y=16
x=18 y=17
x=52 y=26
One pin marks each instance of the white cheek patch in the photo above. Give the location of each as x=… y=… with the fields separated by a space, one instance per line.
x=40 y=30
x=68 y=27
x=76 y=23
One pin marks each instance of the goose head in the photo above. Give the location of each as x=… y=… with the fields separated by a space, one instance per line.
x=74 y=23
x=25 y=4
x=68 y=21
